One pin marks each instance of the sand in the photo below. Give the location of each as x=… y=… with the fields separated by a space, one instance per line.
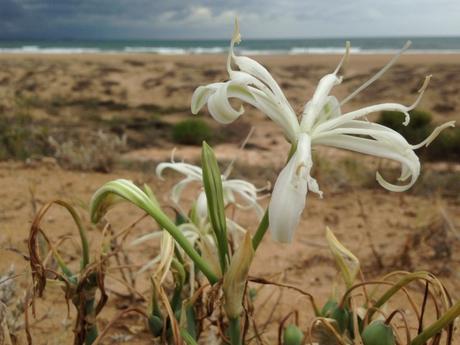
x=144 y=95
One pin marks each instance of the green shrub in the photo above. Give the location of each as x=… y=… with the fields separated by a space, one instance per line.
x=191 y=132
x=19 y=139
x=445 y=147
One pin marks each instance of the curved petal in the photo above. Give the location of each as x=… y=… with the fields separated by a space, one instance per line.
x=246 y=191
x=381 y=148
x=220 y=108
x=289 y=193
x=178 y=188
x=252 y=84
x=189 y=170
x=353 y=115
x=318 y=101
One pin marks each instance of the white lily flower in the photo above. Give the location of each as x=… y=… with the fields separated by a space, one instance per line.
x=232 y=188
x=321 y=123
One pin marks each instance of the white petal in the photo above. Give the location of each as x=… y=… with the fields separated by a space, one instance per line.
x=353 y=115
x=252 y=84
x=200 y=97
x=289 y=193
x=220 y=108
x=176 y=191
x=189 y=170
x=319 y=99
x=202 y=205
x=385 y=149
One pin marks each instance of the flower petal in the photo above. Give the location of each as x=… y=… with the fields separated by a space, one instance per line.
x=381 y=148
x=252 y=84
x=289 y=193
x=220 y=108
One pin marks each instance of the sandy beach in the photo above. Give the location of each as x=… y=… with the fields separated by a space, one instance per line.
x=142 y=96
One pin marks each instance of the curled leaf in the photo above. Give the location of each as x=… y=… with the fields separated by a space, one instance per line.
x=348 y=263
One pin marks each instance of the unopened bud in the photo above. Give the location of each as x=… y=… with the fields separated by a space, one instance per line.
x=347 y=262
x=235 y=278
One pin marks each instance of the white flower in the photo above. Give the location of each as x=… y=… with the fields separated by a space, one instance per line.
x=321 y=123
x=232 y=188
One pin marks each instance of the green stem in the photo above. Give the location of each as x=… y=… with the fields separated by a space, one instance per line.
x=438 y=325
x=187 y=337
x=234 y=331
x=261 y=230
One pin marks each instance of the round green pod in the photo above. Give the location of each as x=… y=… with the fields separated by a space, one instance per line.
x=378 y=333
x=292 y=335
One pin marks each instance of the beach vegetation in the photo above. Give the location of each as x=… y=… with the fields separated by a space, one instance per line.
x=191 y=132
x=201 y=246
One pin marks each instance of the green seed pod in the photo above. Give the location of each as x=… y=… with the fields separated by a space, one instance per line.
x=330 y=304
x=378 y=333
x=155 y=325
x=342 y=315
x=292 y=335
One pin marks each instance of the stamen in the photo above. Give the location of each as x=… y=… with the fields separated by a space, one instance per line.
x=173 y=152
x=268 y=186
x=344 y=60
x=434 y=134
x=378 y=74
x=421 y=92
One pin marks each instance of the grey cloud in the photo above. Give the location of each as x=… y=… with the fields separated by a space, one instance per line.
x=211 y=18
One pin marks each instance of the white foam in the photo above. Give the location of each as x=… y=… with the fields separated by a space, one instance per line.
x=33 y=49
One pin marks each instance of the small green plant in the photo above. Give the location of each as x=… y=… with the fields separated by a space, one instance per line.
x=19 y=139
x=191 y=132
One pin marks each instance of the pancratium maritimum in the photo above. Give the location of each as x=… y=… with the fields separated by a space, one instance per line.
x=233 y=188
x=321 y=123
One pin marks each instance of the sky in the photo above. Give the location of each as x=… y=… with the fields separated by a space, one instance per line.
x=207 y=19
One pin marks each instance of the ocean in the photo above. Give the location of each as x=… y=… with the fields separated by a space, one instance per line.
x=381 y=45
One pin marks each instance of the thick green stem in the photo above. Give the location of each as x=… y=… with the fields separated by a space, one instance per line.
x=438 y=325
x=234 y=331
x=261 y=230
x=91 y=330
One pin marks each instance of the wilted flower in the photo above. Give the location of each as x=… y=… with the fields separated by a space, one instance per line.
x=321 y=123
x=246 y=191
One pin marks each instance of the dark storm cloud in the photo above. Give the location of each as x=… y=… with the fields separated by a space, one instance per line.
x=208 y=18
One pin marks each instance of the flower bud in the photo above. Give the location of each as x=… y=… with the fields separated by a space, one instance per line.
x=292 y=335
x=378 y=333
x=235 y=278
x=347 y=262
